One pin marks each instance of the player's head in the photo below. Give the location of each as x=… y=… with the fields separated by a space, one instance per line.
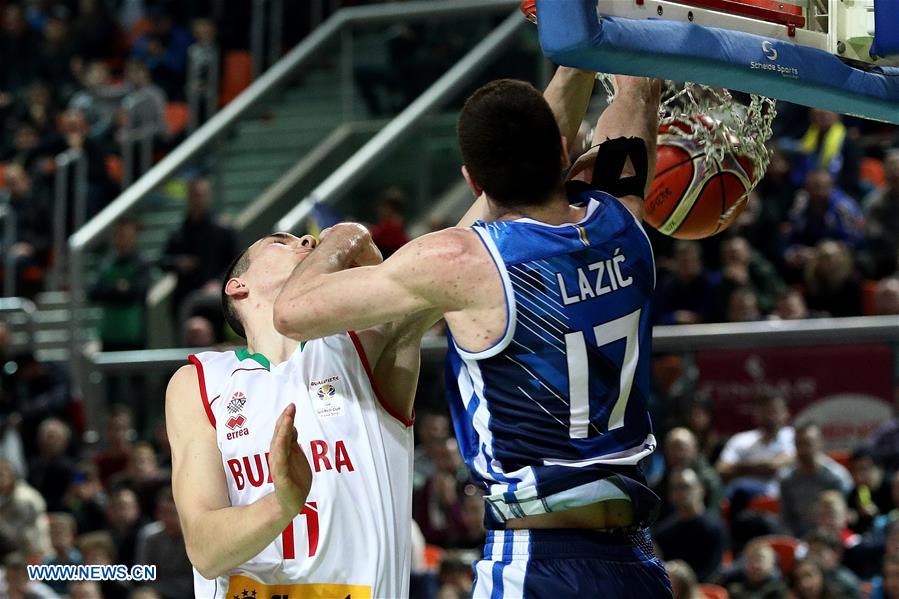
x=256 y=276
x=511 y=146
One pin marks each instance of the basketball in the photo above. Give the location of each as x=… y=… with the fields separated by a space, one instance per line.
x=694 y=195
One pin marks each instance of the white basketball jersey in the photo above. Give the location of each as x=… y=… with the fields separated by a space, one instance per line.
x=352 y=538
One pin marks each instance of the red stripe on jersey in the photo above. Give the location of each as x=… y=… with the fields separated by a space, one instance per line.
x=406 y=421
x=202 y=379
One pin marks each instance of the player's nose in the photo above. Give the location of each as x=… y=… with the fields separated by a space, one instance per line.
x=308 y=241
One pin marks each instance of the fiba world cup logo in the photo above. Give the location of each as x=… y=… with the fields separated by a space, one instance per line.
x=326 y=391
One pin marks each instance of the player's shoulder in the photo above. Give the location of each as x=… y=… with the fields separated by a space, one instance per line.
x=448 y=248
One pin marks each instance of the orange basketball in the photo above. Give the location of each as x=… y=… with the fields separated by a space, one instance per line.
x=694 y=196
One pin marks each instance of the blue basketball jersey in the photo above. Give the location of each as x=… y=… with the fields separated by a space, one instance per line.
x=554 y=415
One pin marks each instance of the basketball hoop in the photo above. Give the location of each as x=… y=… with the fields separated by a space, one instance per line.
x=715 y=121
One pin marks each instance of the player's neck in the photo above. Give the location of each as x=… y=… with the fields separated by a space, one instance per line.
x=555 y=212
x=262 y=338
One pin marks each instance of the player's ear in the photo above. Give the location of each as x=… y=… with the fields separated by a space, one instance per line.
x=476 y=189
x=236 y=289
x=566 y=155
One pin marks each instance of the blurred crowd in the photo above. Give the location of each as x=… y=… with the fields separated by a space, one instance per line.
x=764 y=513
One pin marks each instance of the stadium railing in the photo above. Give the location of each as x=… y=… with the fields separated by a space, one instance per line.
x=157 y=365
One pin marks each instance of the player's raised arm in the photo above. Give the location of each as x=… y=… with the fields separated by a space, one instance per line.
x=219 y=537
x=633 y=116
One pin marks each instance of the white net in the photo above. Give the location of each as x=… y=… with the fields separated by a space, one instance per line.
x=728 y=127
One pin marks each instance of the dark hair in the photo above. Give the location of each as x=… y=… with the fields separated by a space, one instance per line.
x=862 y=452
x=510 y=143
x=237 y=267
x=825 y=537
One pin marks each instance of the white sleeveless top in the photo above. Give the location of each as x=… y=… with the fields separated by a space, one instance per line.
x=352 y=538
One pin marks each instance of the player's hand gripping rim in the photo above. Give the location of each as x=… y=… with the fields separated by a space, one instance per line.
x=290 y=469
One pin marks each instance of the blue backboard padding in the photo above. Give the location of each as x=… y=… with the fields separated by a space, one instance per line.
x=572 y=35
x=886 y=23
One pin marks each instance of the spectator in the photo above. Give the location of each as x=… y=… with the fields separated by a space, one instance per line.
x=790 y=306
x=86 y=499
x=827 y=146
x=691 y=534
x=23 y=512
x=807 y=582
x=437 y=505
x=99 y=549
x=147 y=102
x=144 y=593
x=433 y=431
x=831 y=284
x=871 y=494
x=93 y=27
x=33 y=235
x=683 y=580
x=742 y=306
x=17 y=40
x=882 y=222
x=62 y=539
x=99 y=102
x=832 y=515
x=775 y=194
x=51 y=471
x=204 y=60
x=144 y=476
x=123 y=520
x=699 y=421
x=826 y=548
x=389 y=233
x=198 y=332
x=85 y=589
x=821 y=212
x=163 y=49
x=162 y=544
x=57 y=51
x=887 y=297
x=200 y=250
x=18 y=585
x=455 y=578
x=887 y=585
x=120 y=287
x=682 y=451
x=813 y=473
x=752 y=460
x=758 y=578
x=741 y=266
x=119 y=435
x=687 y=295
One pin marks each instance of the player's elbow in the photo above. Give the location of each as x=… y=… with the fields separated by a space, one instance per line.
x=287 y=319
x=202 y=557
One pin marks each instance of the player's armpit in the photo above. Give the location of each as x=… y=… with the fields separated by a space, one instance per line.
x=213 y=543
x=426 y=276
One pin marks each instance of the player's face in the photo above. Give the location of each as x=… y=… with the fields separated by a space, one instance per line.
x=273 y=258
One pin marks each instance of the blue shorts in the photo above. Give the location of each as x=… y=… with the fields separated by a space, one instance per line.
x=569 y=564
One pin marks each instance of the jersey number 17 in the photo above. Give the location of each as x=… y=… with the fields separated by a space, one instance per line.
x=627 y=328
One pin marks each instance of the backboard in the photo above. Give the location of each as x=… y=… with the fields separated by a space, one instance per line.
x=832 y=54
x=845 y=28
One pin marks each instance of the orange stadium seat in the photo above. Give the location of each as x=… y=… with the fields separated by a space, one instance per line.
x=237 y=75
x=765 y=504
x=114 y=168
x=785 y=548
x=841 y=457
x=713 y=591
x=177 y=117
x=871 y=170
x=433 y=557
x=869 y=298
x=2 y=174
